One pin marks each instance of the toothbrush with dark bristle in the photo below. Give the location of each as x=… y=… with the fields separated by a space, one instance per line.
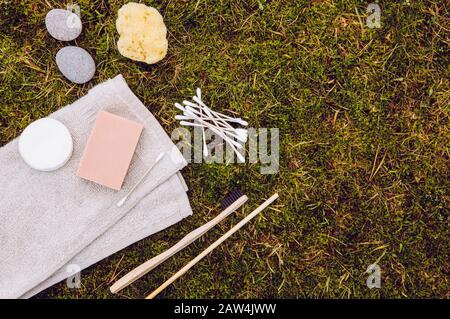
x=231 y=197
x=233 y=201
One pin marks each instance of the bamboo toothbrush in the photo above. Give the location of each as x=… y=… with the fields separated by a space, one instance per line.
x=230 y=204
x=194 y=261
x=122 y=201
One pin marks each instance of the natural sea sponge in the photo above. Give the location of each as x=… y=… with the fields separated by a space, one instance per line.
x=142 y=33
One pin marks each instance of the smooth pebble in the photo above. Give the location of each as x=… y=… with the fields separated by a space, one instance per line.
x=76 y=64
x=63 y=25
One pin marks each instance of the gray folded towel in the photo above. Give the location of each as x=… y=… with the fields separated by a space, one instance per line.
x=48 y=220
x=163 y=207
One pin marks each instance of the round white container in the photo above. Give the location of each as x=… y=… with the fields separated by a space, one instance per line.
x=46 y=145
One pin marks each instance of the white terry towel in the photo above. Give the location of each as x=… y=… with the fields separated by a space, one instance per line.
x=50 y=219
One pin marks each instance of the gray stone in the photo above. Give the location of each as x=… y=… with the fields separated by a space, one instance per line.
x=76 y=64
x=63 y=25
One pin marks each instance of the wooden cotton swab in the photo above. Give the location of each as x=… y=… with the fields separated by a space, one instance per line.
x=214 y=129
x=122 y=201
x=241 y=136
x=183 y=109
x=221 y=115
x=201 y=114
x=194 y=261
x=203 y=108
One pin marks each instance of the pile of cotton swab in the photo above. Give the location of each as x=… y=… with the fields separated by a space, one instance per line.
x=202 y=116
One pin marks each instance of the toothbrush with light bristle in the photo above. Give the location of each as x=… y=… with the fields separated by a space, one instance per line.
x=213 y=246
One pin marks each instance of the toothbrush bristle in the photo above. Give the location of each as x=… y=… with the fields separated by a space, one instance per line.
x=231 y=197
x=223 y=125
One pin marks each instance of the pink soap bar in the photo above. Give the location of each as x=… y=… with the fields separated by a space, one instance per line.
x=109 y=150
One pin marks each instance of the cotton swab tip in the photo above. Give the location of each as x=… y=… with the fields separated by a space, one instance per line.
x=179 y=106
x=240 y=157
x=122 y=201
x=241 y=121
x=160 y=156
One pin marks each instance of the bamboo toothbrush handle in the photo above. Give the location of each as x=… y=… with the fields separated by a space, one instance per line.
x=150 y=264
x=194 y=261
